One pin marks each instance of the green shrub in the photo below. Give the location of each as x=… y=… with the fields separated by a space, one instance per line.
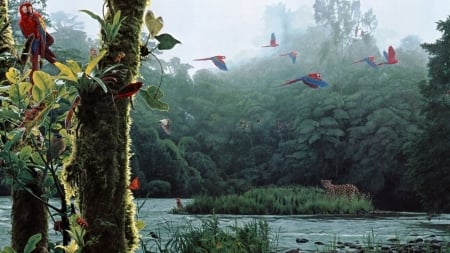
x=286 y=200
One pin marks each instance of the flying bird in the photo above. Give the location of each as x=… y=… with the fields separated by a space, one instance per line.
x=31 y=23
x=165 y=125
x=218 y=60
x=292 y=55
x=390 y=56
x=369 y=60
x=273 y=41
x=312 y=80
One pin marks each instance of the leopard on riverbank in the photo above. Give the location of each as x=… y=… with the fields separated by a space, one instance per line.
x=340 y=189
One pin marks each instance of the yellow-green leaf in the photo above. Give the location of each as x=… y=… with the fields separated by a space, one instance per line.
x=154 y=25
x=74 y=66
x=38 y=94
x=24 y=88
x=43 y=80
x=92 y=63
x=13 y=75
x=66 y=72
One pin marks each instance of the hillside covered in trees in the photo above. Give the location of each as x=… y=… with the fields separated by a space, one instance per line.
x=231 y=131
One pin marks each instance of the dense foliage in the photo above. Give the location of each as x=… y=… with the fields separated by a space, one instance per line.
x=430 y=155
x=233 y=131
x=210 y=236
x=281 y=201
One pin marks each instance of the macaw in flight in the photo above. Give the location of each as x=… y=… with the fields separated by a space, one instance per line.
x=312 y=80
x=218 y=60
x=32 y=24
x=369 y=60
x=390 y=56
x=292 y=55
x=273 y=41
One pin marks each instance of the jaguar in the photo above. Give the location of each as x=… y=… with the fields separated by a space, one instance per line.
x=340 y=189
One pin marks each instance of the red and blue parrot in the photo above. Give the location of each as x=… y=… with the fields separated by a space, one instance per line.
x=273 y=41
x=292 y=55
x=218 y=60
x=369 y=60
x=312 y=80
x=32 y=24
x=390 y=56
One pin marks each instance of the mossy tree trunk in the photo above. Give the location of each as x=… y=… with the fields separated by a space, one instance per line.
x=101 y=160
x=6 y=37
x=29 y=215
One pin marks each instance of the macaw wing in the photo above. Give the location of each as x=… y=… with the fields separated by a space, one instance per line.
x=313 y=82
x=273 y=40
x=38 y=47
x=219 y=63
x=391 y=54
x=386 y=56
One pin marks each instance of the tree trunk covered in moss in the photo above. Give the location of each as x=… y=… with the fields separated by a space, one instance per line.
x=29 y=215
x=101 y=160
x=6 y=38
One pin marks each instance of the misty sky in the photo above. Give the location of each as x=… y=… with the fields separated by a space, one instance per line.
x=235 y=28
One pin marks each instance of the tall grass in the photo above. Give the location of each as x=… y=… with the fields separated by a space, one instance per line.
x=252 y=237
x=287 y=200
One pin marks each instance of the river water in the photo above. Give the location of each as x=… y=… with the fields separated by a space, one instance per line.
x=286 y=229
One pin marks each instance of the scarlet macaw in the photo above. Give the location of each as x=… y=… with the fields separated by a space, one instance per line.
x=312 y=80
x=218 y=60
x=273 y=41
x=390 y=56
x=32 y=24
x=292 y=55
x=369 y=60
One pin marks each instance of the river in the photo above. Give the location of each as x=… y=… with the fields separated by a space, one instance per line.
x=314 y=228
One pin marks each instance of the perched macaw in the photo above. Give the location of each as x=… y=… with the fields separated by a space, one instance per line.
x=292 y=55
x=390 y=56
x=369 y=60
x=273 y=41
x=312 y=80
x=218 y=60
x=32 y=24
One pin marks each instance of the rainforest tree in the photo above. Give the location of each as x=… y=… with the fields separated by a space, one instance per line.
x=429 y=160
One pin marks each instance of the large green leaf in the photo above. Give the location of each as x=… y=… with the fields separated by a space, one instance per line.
x=151 y=96
x=92 y=63
x=166 y=41
x=66 y=72
x=32 y=242
x=42 y=82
